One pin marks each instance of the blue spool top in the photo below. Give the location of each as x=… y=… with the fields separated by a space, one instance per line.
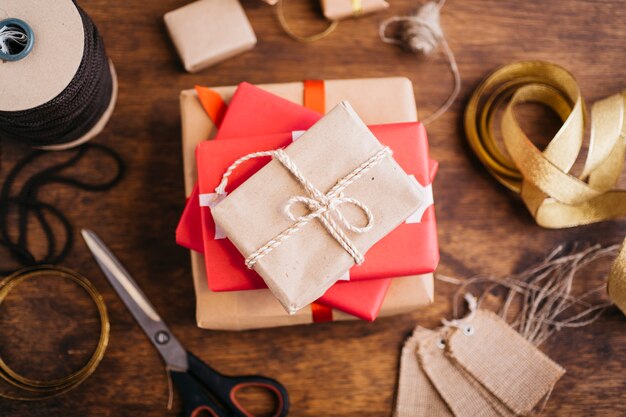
x=18 y=50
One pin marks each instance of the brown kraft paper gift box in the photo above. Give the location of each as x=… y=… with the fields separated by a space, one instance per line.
x=259 y=309
x=206 y=32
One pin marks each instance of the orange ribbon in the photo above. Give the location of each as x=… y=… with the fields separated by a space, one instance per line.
x=212 y=103
x=315 y=96
x=315 y=99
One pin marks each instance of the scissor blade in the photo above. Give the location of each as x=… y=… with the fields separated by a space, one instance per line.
x=168 y=346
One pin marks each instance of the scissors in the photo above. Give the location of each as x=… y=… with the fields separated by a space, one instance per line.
x=202 y=388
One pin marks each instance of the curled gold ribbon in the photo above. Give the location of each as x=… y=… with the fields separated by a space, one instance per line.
x=554 y=197
x=43 y=389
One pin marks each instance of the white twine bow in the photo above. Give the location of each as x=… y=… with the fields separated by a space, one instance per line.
x=324 y=207
x=8 y=35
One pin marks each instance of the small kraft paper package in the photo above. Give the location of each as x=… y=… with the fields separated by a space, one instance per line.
x=243 y=310
x=353 y=192
x=206 y=32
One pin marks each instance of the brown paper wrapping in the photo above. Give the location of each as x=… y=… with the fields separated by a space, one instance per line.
x=341 y=9
x=209 y=31
x=259 y=309
x=304 y=266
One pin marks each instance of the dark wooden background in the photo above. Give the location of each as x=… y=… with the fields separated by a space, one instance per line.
x=338 y=369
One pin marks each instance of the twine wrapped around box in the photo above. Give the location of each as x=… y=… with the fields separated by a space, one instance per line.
x=321 y=206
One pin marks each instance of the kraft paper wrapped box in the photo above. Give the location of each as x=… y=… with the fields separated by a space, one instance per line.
x=341 y=9
x=209 y=31
x=258 y=309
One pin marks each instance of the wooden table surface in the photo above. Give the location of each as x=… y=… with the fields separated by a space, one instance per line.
x=336 y=369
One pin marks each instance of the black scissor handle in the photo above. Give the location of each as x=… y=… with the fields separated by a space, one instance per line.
x=225 y=389
x=194 y=397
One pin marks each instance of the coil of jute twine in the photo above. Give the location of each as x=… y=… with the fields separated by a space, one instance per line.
x=40 y=389
x=60 y=87
x=421 y=33
x=324 y=207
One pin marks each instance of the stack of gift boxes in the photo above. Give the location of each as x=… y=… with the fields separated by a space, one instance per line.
x=271 y=243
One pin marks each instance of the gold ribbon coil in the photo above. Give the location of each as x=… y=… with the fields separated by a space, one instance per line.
x=554 y=197
x=42 y=389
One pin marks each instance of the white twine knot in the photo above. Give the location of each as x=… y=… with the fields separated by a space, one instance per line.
x=472 y=305
x=421 y=32
x=10 y=35
x=324 y=207
x=330 y=205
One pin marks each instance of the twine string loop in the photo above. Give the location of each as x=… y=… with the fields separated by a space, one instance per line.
x=330 y=205
x=421 y=33
x=11 y=38
x=324 y=207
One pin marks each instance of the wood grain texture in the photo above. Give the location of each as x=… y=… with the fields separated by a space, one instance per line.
x=338 y=369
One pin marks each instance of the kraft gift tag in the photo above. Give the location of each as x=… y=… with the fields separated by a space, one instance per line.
x=417 y=397
x=505 y=363
x=463 y=395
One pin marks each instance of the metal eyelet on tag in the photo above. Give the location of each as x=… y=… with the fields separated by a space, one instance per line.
x=441 y=344
x=468 y=330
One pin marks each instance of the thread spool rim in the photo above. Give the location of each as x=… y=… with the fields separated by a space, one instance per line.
x=29 y=34
x=98 y=127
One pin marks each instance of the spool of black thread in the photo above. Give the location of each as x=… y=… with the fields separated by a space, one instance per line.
x=83 y=104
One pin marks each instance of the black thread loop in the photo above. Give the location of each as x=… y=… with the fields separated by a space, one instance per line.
x=28 y=203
